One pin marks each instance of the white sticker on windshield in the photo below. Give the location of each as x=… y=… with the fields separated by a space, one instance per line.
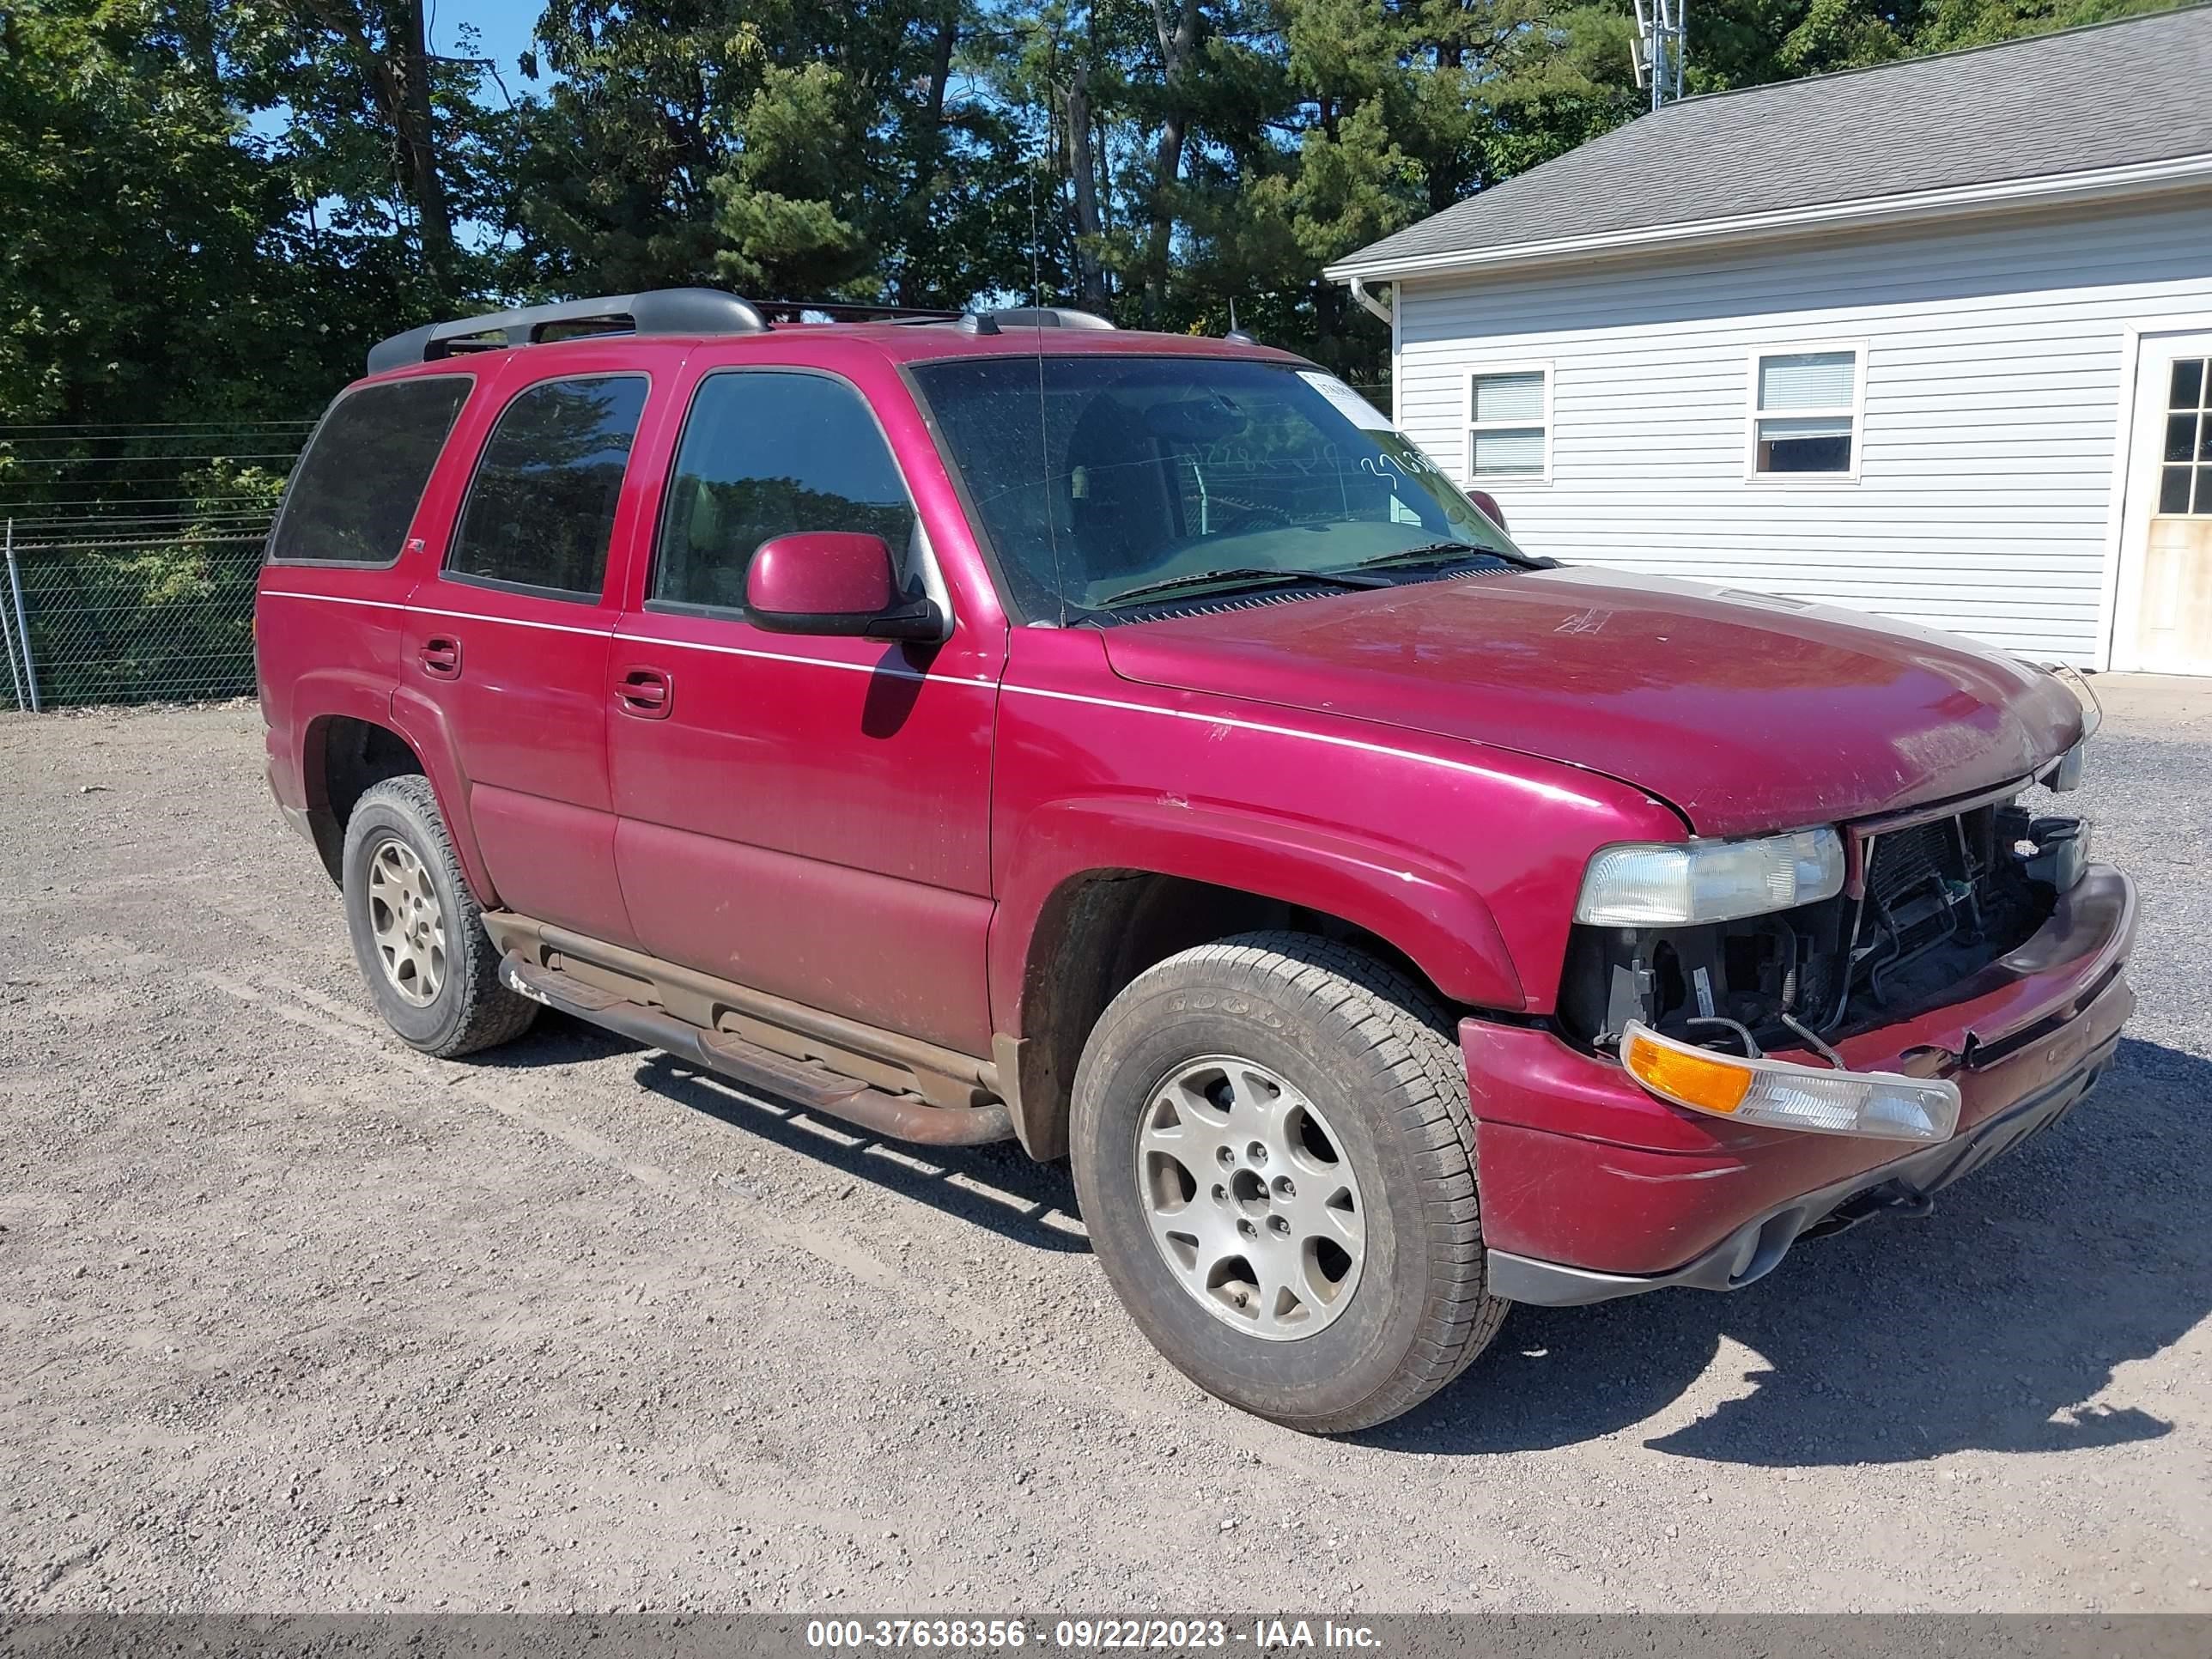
x=1350 y=403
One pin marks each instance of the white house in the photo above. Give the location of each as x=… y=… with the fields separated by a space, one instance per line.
x=1933 y=339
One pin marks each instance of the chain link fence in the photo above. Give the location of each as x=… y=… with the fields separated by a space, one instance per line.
x=132 y=621
x=131 y=554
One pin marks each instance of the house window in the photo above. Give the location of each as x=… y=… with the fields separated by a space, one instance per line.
x=1509 y=429
x=2182 y=488
x=1805 y=412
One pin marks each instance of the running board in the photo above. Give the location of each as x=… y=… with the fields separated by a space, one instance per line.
x=815 y=1087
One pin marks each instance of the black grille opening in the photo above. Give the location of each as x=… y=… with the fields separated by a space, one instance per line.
x=1943 y=899
x=1907 y=859
x=1918 y=881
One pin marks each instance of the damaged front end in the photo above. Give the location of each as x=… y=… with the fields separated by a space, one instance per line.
x=1867 y=925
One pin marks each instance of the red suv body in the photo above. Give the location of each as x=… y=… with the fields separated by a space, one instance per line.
x=785 y=696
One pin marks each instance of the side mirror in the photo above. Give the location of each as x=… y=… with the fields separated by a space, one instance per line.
x=1488 y=503
x=834 y=582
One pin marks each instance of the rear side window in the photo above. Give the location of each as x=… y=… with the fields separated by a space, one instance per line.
x=355 y=490
x=541 y=509
x=766 y=453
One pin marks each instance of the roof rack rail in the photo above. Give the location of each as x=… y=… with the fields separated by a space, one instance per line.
x=656 y=311
x=990 y=322
x=843 y=311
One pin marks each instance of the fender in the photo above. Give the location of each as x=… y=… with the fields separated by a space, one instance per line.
x=318 y=698
x=1394 y=892
x=423 y=724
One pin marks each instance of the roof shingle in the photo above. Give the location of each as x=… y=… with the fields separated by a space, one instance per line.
x=2114 y=94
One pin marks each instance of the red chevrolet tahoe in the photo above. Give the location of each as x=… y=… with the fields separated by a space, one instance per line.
x=1002 y=726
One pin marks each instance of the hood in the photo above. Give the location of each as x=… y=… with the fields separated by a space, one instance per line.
x=1747 y=711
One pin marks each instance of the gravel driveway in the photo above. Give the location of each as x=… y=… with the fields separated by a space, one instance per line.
x=294 y=1318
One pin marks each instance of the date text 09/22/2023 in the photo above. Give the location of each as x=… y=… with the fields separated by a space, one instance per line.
x=1089 y=1635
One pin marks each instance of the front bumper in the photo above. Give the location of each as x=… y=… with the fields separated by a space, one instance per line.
x=1753 y=1249
x=1593 y=1189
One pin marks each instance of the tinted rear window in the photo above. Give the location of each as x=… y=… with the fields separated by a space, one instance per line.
x=355 y=491
x=541 y=510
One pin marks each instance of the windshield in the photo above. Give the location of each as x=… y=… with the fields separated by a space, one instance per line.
x=1102 y=481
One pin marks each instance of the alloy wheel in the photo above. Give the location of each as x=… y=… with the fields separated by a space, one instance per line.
x=1250 y=1197
x=406 y=922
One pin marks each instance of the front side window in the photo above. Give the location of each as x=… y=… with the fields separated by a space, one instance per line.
x=768 y=453
x=1101 y=481
x=1509 y=426
x=355 y=492
x=1805 y=412
x=541 y=508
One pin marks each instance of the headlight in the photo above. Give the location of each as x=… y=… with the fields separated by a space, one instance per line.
x=1638 y=885
x=1884 y=1105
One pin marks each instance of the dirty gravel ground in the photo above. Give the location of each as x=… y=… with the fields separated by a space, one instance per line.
x=296 y=1320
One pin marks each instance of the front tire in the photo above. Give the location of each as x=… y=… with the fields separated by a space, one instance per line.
x=417 y=931
x=1275 y=1159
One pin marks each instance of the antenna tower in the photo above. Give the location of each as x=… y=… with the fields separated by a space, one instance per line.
x=1656 y=50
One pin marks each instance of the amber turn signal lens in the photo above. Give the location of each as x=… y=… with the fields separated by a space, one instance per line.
x=1786 y=1094
x=1711 y=1083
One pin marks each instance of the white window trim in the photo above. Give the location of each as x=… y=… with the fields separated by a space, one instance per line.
x=1469 y=426
x=1856 y=409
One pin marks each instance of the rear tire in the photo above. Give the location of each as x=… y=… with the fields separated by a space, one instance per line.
x=1271 y=1053
x=417 y=931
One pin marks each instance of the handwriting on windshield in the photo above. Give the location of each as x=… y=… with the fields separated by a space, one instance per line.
x=1410 y=465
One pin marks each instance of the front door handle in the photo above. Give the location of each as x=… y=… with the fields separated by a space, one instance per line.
x=648 y=693
x=441 y=658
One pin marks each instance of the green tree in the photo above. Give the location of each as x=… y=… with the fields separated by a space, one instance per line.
x=383 y=140
x=1332 y=122
x=211 y=206
x=139 y=236
x=802 y=146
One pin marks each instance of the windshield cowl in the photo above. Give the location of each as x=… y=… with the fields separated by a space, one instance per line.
x=1211 y=587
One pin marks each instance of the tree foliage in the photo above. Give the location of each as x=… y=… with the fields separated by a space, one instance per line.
x=790 y=147
x=210 y=206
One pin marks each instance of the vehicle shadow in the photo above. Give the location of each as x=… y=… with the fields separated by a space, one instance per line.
x=998 y=1187
x=1991 y=1324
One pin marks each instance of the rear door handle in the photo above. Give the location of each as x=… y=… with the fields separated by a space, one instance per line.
x=441 y=658
x=646 y=693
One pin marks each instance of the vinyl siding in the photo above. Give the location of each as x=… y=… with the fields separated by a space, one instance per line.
x=1992 y=407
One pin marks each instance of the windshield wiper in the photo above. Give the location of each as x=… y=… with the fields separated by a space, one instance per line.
x=1236 y=577
x=1431 y=553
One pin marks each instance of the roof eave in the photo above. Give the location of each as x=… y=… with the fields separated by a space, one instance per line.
x=2137 y=178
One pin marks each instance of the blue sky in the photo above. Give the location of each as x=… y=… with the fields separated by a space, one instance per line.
x=502 y=29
